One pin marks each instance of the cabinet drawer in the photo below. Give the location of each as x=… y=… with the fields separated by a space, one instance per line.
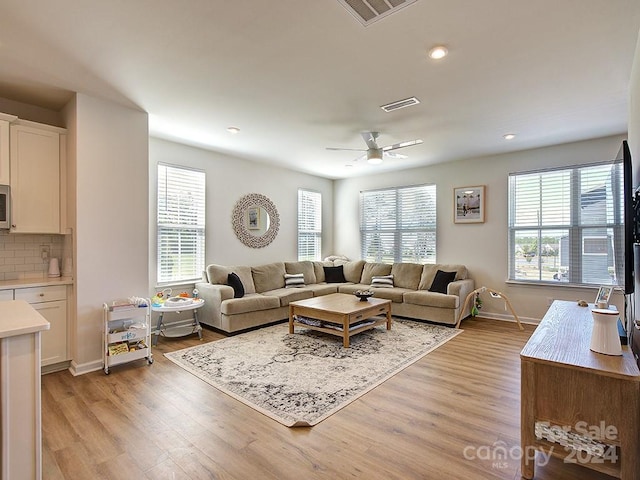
x=6 y=295
x=41 y=294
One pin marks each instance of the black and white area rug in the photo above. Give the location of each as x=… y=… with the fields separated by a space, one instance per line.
x=303 y=378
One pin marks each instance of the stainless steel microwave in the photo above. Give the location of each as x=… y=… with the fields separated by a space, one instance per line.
x=5 y=207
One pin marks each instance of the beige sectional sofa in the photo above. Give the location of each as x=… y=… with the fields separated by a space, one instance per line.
x=266 y=298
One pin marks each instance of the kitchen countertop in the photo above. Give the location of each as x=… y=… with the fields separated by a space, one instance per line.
x=20 y=318
x=35 y=282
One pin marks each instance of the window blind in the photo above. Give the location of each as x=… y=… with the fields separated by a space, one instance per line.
x=567 y=225
x=398 y=224
x=181 y=223
x=309 y=225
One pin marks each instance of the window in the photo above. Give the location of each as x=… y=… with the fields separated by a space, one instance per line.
x=309 y=225
x=181 y=208
x=398 y=225
x=567 y=225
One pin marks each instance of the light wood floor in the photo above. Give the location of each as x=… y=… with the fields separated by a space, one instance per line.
x=160 y=422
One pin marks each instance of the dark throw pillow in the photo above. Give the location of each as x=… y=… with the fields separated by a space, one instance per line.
x=334 y=274
x=233 y=280
x=441 y=281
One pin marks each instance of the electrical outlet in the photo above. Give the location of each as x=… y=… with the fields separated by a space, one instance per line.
x=44 y=252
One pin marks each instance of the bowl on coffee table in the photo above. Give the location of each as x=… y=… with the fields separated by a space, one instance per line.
x=363 y=295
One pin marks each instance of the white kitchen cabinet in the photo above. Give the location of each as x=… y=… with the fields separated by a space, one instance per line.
x=5 y=120
x=51 y=303
x=6 y=295
x=36 y=163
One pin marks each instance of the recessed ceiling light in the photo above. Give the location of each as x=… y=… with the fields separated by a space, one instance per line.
x=233 y=130
x=509 y=136
x=438 y=52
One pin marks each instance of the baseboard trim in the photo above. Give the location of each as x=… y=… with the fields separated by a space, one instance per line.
x=81 y=369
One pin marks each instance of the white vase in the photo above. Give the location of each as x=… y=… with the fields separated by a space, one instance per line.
x=605 y=338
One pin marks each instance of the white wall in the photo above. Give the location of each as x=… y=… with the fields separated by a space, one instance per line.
x=634 y=114
x=229 y=178
x=481 y=247
x=111 y=233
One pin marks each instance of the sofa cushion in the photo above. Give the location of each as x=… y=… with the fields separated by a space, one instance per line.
x=370 y=269
x=287 y=295
x=218 y=274
x=406 y=275
x=382 y=281
x=352 y=269
x=352 y=288
x=233 y=280
x=318 y=269
x=429 y=273
x=432 y=299
x=442 y=281
x=293 y=280
x=334 y=274
x=268 y=277
x=304 y=267
x=249 y=303
x=320 y=289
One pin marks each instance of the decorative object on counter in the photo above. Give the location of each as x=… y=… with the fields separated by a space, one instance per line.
x=363 y=295
x=67 y=269
x=495 y=294
x=54 y=267
x=604 y=336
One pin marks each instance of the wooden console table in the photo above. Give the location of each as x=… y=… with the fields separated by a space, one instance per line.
x=578 y=405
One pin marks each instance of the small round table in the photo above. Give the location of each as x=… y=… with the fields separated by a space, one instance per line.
x=181 y=327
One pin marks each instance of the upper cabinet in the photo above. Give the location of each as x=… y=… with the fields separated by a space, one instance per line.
x=5 y=120
x=37 y=162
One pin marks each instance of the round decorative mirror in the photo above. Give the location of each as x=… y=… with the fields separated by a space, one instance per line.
x=255 y=220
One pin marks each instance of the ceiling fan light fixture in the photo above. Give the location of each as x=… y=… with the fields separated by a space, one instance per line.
x=374 y=156
x=437 y=52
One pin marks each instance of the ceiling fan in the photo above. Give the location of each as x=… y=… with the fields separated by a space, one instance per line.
x=374 y=153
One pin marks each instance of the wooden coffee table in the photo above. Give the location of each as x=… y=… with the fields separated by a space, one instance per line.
x=342 y=310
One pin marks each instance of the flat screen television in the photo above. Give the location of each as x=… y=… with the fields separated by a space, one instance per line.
x=629 y=219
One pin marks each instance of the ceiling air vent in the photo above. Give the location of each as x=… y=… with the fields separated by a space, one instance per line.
x=369 y=11
x=407 y=102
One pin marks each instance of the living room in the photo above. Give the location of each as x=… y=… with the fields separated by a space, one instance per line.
x=112 y=178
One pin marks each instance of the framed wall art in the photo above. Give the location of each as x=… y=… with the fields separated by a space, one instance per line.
x=468 y=204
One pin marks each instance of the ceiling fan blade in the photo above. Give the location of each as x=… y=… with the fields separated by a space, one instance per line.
x=395 y=155
x=346 y=149
x=370 y=139
x=395 y=146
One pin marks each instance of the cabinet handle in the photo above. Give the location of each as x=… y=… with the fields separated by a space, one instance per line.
x=13 y=225
x=42 y=294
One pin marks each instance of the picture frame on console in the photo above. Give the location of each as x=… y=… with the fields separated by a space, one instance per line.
x=468 y=204
x=604 y=293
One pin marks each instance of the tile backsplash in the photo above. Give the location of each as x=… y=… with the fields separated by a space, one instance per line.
x=21 y=254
